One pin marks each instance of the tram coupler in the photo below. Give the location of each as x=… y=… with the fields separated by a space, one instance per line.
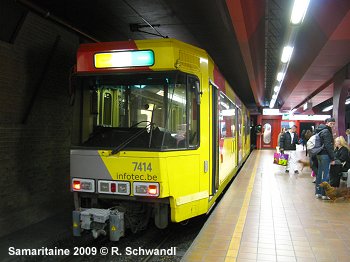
x=97 y=220
x=116 y=225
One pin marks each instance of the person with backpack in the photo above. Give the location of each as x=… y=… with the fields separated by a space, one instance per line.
x=325 y=157
x=288 y=142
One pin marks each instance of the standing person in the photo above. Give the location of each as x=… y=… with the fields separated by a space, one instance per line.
x=287 y=144
x=308 y=134
x=283 y=130
x=325 y=157
x=303 y=140
x=348 y=136
x=342 y=161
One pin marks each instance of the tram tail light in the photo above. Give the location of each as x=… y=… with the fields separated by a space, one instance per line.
x=113 y=187
x=152 y=190
x=76 y=185
x=146 y=189
x=83 y=185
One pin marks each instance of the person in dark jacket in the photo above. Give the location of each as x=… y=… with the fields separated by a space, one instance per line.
x=288 y=142
x=342 y=161
x=325 y=157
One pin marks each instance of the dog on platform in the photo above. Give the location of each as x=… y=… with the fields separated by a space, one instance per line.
x=335 y=193
x=304 y=164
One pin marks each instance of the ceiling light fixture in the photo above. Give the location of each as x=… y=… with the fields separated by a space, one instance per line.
x=292 y=111
x=287 y=54
x=280 y=76
x=299 y=11
x=328 y=108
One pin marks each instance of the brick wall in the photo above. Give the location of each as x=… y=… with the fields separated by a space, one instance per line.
x=34 y=156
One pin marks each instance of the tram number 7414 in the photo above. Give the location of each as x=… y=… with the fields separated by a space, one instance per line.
x=142 y=166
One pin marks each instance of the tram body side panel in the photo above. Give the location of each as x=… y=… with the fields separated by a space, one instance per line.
x=188 y=167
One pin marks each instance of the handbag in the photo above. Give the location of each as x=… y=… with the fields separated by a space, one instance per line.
x=337 y=162
x=280 y=159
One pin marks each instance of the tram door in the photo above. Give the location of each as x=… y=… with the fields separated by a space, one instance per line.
x=215 y=142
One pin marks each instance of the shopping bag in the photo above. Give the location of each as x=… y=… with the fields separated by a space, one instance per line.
x=280 y=159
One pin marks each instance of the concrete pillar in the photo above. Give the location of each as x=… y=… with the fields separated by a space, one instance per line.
x=340 y=92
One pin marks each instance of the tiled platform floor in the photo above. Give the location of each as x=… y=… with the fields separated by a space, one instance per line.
x=273 y=216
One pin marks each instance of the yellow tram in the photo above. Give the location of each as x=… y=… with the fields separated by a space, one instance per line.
x=158 y=134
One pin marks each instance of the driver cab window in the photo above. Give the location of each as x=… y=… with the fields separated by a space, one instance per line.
x=151 y=111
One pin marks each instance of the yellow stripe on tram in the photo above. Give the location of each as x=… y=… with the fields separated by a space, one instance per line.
x=237 y=233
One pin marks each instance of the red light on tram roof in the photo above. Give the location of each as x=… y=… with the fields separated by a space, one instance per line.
x=152 y=190
x=76 y=185
x=113 y=187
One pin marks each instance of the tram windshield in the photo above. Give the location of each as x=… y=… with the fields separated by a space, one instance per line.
x=153 y=111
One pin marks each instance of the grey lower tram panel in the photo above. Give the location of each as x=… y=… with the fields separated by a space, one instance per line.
x=100 y=222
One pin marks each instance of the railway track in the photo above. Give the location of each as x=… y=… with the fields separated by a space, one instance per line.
x=159 y=246
x=178 y=237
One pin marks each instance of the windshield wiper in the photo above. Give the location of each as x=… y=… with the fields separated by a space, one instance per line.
x=130 y=139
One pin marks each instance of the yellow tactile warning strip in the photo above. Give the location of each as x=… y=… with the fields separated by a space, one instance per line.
x=237 y=234
x=213 y=243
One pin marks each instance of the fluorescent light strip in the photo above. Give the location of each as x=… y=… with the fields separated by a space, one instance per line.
x=328 y=108
x=280 y=76
x=287 y=54
x=299 y=11
x=305 y=106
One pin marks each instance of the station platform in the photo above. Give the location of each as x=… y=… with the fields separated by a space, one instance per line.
x=269 y=215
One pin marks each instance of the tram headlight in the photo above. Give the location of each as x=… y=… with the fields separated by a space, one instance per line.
x=141 y=189
x=123 y=188
x=146 y=189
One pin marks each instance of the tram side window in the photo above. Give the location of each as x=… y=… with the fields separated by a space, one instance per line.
x=183 y=118
x=247 y=125
x=193 y=109
x=227 y=117
x=240 y=122
x=177 y=118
